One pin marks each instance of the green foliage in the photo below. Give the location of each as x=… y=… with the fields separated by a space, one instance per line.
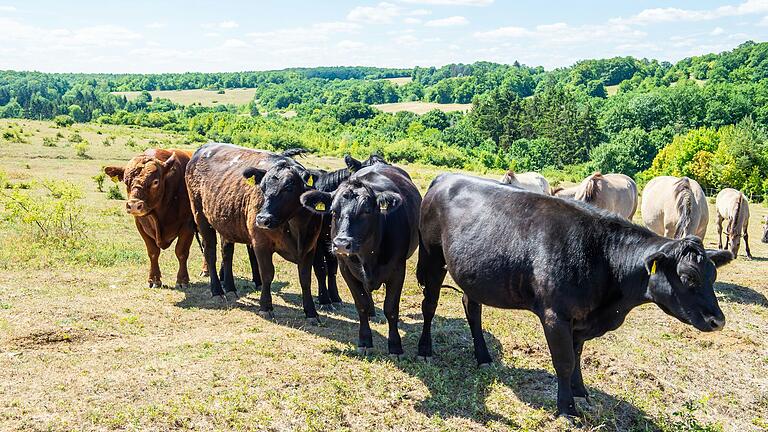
x=63 y=120
x=14 y=134
x=114 y=192
x=75 y=137
x=732 y=156
x=51 y=215
x=81 y=149
x=99 y=179
x=49 y=142
x=685 y=420
x=629 y=151
x=108 y=141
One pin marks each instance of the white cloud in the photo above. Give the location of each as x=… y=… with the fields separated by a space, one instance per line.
x=420 y=12
x=447 y=22
x=8 y=9
x=717 y=31
x=349 y=45
x=211 y=34
x=382 y=13
x=763 y=22
x=156 y=25
x=504 y=33
x=412 y=20
x=452 y=2
x=302 y=38
x=223 y=25
x=663 y=15
x=234 y=43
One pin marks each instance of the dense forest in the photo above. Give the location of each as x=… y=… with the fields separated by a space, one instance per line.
x=705 y=117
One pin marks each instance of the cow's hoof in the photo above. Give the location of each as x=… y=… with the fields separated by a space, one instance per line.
x=157 y=284
x=425 y=359
x=257 y=288
x=233 y=294
x=314 y=321
x=204 y=274
x=182 y=286
x=326 y=307
x=268 y=315
x=396 y=357
x=337 y=300
x=221 y=299
x=364 y=350
x=485 y=365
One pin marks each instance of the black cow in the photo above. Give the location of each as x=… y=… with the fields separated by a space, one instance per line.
x=325 y=263
x=375 y=230
x=579 y=269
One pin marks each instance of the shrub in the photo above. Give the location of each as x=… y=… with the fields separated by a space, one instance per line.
x=49 y=142
x=14 y=135
x=54 y=217
x=108 y=141
x=131 y=143
x=81 y=149
x=99 y=179
x=75 y=138
x=63 y=120
x=114 y=192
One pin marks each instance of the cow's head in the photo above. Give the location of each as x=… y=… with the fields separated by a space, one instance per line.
x=282 y=186
x=765 y=229
x=356 y=212
x=682 y=276
x=145 y=178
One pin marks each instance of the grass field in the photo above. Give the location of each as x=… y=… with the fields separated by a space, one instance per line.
x=399 y=80
x=419 y=107
x=240 y=96
x=85 y=345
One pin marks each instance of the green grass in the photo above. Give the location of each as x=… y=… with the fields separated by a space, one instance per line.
x=85 y=345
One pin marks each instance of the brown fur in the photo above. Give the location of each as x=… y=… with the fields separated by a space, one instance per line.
x=683 y=200
x=167 y=215
x=592 y=188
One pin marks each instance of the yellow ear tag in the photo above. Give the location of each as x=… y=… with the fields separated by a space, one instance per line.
x=320 y=206
x=115 y=179
x=251 y=180
x=653 y=268
x=383 y=206
x=311 y=182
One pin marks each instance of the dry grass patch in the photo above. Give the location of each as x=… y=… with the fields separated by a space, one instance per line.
x=419 y=107
x=237 y=96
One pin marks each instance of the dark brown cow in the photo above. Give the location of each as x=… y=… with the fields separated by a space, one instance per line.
x=252 y=197
x=159 y=203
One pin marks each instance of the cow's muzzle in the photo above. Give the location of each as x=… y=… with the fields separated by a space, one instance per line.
x=135 y=207
x=344 y=246
x=265 y=221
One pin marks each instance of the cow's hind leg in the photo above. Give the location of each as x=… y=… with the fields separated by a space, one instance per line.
x=577 y=381
x=474 y=313
x=332 y=267
x=746 y=239
x=183 y=243
x=392 y=310
x=430 y=272
x=226 y=275
x=209 y=250
x=318 y=263
x=305 y=280
x=254 y=268
x=719 y=231
x=559 y=334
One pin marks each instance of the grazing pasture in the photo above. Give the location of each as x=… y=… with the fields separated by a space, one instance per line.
x=86 y=345
x=399 y=80
x=419 y=107
x=235 y=96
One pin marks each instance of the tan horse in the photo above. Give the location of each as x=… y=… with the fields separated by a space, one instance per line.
x=675 y=207
x=530 y=181
x=616 y=193
x=733 y=206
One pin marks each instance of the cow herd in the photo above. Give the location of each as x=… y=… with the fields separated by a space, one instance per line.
x=571 y=256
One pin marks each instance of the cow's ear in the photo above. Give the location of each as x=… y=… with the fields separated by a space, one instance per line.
x=254 y=175
x=308 y=178
x=352 y=163
x=654 y=261
x=719 y=257
x=115 y=173
x=317 y=201
x=388 y=201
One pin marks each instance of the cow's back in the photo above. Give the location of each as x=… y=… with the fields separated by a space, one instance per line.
x=217 y=186
x=618 y=194
x=660 y=207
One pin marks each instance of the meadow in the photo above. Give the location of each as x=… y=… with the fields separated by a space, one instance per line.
x=85 y=345
x=419 y=107
x=204 y=97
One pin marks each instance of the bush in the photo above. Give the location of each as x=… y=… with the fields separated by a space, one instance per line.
x=99 y=179
x=54 y=217
x=75 y=138
x=14 y=136
x=108 y=141
x=49 y=142
x=114 y=192
x=63 y=120
x=81 y=149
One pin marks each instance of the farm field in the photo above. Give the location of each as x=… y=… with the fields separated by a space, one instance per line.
x=85 y=345
x=399 y=80
x=419 y=107
x=238 y=96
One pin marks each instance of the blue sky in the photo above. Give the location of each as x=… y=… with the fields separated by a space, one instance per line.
x=178 y=36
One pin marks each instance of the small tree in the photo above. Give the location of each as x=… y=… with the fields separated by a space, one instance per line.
x=63 y=120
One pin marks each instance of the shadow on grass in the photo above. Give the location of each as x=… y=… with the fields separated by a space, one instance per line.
x=740 y=294
x=457 y=387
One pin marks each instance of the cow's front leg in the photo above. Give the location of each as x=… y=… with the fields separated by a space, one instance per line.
x=559 y=334
x=153 y=251
x=362 y=304
x=392 y=311
x=305 y=280
x=577 y=381
x=267 y=273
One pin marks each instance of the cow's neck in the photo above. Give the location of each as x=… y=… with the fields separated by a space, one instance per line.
x=369 y=260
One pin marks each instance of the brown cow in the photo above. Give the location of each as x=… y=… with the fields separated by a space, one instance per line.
x=252 y=197
x=159 y=203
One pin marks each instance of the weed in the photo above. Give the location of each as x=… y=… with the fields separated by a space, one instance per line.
x=49 y=142
x=81 y=149
x=99 y=179
x=114 y=193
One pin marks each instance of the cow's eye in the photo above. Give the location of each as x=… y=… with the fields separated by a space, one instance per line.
x=155 y=183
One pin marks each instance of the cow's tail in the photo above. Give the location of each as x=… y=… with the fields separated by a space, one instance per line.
x=197 y=237
x=592 y=188
x=732 y=225
x=684 y=198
